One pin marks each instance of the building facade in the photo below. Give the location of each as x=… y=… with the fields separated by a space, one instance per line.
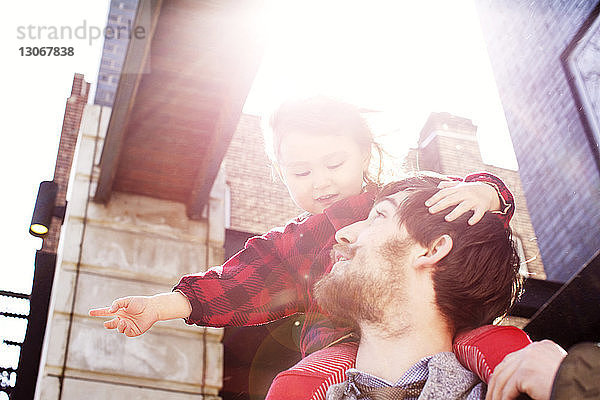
x=133 y=245
x=545 y=58
x=147 y=199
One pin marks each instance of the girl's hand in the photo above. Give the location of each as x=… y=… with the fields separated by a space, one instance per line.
x=478 y=197
x=132 y=315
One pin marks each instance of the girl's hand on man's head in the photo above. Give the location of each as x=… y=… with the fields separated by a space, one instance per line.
x=478 y=197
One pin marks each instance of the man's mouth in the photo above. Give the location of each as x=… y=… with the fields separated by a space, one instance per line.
x=339 y=257
x=341 y=252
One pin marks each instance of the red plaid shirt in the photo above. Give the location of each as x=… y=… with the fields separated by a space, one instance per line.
x=273 y=276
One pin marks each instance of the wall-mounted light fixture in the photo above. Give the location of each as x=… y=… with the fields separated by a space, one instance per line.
x=45 y=209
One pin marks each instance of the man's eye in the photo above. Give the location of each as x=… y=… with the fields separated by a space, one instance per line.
x=379 y=214
x=334 y=166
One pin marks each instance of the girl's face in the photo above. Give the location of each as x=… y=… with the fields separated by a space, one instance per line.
x=320 y=170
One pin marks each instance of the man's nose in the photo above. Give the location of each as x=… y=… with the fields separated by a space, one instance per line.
x=348 y=234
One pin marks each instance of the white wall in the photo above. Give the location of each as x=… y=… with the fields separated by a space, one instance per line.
x=134 y=245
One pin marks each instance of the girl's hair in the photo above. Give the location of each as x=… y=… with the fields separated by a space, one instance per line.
x=322 y=115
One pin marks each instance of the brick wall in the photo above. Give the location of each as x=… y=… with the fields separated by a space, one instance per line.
x=560 y=177
x=448 y=145
x=66 y=149
x=258 y=202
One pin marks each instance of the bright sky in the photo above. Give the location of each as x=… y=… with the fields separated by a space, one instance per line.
x=404 y=59
x=35 y=93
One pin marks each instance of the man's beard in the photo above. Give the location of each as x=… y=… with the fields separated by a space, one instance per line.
x=357 y=293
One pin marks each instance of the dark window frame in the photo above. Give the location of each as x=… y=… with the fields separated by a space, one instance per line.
x=579 y=81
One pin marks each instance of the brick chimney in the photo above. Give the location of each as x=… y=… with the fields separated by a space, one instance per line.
x=448 y=142
x=66 y=149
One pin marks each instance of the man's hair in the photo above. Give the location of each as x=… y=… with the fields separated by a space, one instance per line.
x=479 y=279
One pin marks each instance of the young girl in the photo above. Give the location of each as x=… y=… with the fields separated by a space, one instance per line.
x=322 y=150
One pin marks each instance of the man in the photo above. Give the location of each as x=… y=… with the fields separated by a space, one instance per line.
x=411 y=281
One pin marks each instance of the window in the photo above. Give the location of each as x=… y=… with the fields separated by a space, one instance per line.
x=583 y=62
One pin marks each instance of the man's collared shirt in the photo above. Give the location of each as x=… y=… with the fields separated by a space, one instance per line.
x=358 y=379
x=418 y=372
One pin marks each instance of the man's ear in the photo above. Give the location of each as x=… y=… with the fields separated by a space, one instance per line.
x=438 y=250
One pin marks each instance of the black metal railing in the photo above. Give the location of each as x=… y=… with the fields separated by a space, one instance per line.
x=14 y=316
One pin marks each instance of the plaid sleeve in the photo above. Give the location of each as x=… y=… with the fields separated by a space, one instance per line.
x=265 y=281
x=347 y=211
x=507 y=201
